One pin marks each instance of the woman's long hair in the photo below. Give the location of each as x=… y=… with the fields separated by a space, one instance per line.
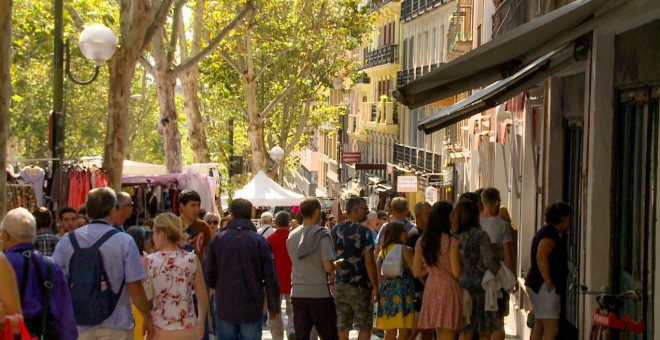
x=437 y=225
x=393 y=233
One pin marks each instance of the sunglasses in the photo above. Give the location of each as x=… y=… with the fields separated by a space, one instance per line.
x=214 y=222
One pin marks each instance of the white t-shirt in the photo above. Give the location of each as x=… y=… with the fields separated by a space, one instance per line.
x=499 y=232
x=266 y=231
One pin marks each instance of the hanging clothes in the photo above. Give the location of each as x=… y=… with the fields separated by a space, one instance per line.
x=21 y=196
x=100 y=179
x=35 y=176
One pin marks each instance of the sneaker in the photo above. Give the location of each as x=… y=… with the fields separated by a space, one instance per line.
x=378 y=332
x=291 y=336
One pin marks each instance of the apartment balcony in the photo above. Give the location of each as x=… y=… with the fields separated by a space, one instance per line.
x=509 y=15
x=373 y=116
x=388 y=54
x=362 y=78
x=411 y=9
x=405 y=76
x=418 y=159
x=375 y=5
x=459 y=34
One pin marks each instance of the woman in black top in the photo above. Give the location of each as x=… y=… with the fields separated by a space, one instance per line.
x=546 y=280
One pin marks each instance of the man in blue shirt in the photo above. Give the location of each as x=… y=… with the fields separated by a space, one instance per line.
x=121 y=262
x=239 y=265
x=18 y=232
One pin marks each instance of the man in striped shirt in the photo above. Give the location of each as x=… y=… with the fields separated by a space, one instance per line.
x=121 y=261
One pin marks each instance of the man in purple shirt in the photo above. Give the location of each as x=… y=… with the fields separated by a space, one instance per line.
x=239 y=265
x=18 y=232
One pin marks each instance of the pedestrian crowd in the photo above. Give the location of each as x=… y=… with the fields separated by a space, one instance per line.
x=447 y=275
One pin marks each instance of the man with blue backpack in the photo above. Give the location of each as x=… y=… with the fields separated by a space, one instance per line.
x=105 y=273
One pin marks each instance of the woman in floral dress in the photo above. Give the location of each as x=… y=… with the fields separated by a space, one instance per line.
x=477 y=256
x=396 y=306
x=437 y=254
x=174 y=274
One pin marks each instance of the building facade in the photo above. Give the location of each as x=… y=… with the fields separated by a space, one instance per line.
x=563 y=105
x=432 y=33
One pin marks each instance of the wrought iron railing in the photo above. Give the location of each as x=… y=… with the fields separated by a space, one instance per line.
x=509 y=15
x=417 y=158
x=375 y=5
x=408 y=75
x=388 y=54
x=411 y=9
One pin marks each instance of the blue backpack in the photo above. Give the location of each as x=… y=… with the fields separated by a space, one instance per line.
x=91 y=292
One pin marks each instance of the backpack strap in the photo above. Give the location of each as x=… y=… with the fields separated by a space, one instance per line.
x=45 y=285
x=26 y=272
x=104 y=238
x=74 y=241
x=46 y=288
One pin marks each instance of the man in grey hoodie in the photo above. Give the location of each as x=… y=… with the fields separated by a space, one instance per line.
x=312 y=276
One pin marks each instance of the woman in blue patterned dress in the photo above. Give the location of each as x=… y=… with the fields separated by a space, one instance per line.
x=477 y=256
x=396 y=305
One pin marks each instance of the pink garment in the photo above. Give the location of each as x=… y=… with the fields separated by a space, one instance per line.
x=442 y=300
x=100 y=179
x=501 y=131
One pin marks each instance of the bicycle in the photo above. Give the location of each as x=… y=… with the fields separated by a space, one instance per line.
x=605 y=316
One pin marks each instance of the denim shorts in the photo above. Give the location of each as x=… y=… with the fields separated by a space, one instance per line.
x=546 y=304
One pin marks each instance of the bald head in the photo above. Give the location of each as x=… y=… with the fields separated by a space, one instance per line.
x=18 y=226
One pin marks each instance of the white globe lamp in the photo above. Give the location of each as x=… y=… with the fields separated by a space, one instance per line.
x=98 y=43
x=276 y=153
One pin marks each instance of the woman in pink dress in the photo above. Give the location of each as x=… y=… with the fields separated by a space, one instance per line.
x=174 y=275
x=437 y=255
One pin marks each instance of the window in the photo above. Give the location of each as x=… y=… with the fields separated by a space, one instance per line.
x=404 y=62
x=411 y=50
x=414 y=118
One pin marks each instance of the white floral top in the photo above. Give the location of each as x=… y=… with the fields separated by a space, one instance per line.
x=172 y=274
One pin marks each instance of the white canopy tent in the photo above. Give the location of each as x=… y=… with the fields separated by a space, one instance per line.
x=264 y=192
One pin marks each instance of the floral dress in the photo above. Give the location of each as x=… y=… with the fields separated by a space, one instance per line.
x=396 y=306
x=443 y=296
x=172 y=274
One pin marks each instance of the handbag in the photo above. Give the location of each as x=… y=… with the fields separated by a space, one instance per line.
x=393 y=263
x=7 y=334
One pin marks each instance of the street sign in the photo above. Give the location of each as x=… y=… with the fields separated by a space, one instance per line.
x=406 y=184
x=351 y=157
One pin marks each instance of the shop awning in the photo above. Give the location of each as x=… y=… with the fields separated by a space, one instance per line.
x=502 y=90
x=503 y=56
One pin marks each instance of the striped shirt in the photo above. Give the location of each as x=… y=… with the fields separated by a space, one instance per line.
x=121 y=261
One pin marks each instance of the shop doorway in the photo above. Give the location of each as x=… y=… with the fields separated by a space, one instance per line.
x=634 y=201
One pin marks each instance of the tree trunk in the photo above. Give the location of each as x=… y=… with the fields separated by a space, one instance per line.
x=169 y=125
x=196 y=133
x=255 y=130
x=121 y=68
x=5 y=95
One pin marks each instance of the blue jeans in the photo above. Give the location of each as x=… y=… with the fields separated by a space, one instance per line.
x=238 y=331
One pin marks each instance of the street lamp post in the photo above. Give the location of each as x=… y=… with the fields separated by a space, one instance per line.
x=97 y=43
x=277 y=155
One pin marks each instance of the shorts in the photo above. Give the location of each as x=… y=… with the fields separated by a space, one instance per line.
x=353 y=303
x=546 y=304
